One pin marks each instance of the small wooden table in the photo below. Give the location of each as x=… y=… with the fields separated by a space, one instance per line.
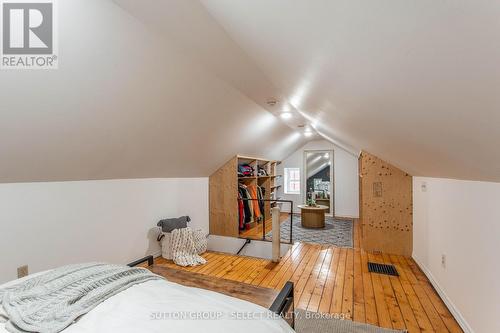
x=313 y=216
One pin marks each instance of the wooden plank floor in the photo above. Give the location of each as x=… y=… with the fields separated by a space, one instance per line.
x=256 y=232
x=336 y=280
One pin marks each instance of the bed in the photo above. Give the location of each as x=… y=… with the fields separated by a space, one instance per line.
x=165 y=306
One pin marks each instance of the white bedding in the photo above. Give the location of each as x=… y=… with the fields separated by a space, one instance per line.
x=151 y=306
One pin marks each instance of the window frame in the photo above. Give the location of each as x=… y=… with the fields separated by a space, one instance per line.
x=287 y=173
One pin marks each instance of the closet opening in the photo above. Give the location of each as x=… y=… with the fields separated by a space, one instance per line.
x=258 y=187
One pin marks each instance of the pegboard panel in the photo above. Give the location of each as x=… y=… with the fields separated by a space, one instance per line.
x=386 y=206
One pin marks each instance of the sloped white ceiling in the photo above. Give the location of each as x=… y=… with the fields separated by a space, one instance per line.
x=191 y=27
x=158 y=88
x=414 y=82
x=126 y=103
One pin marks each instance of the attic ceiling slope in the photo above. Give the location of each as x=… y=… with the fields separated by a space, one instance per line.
x=125 y=103
x=202 y=39
x=413 y=82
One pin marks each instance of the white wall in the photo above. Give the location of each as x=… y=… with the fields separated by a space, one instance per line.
x=346 y=180
x=460 y=219
x=125 y=103
x=46 y=225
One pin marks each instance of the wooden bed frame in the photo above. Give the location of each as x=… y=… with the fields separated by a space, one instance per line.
x=281 y=304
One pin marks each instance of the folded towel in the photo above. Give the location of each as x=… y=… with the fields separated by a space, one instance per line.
x=167 y=225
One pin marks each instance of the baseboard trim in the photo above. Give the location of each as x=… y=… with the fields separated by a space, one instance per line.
x=346 y=217
x=447 y=301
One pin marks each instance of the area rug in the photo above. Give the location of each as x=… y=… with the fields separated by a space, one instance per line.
x=313 y=322
x=337 y=232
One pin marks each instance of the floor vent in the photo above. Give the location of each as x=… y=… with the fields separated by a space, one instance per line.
x=382 y=269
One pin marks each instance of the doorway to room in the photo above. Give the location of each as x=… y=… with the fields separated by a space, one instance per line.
x=318 y=180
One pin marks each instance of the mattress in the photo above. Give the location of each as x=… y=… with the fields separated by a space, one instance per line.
x=163 y=306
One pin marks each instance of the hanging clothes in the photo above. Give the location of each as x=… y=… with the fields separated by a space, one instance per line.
x=247 y=204
x=254 y=203
x=260 y=196
x=241 y=212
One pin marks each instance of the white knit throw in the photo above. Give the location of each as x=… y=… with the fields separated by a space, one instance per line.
x=50 y=302
x=186 y=246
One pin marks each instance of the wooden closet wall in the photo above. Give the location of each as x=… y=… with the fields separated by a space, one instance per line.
x=223 y=192
x=386 y=206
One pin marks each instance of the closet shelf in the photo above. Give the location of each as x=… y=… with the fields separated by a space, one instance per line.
x=256 y=177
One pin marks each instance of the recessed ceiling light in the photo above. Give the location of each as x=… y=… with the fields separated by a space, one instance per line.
x=308 y=131
x=272 y=102
x=286 y=115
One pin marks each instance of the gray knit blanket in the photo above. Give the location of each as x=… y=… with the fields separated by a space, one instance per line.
x=50 y=302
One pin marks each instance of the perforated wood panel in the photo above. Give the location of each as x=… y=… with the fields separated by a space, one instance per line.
x=386 y=206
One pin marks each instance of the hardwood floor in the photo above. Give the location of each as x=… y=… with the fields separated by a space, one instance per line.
x=256 y=233
x=336 y=280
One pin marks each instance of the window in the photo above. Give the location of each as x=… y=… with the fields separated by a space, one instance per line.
x=292 y=180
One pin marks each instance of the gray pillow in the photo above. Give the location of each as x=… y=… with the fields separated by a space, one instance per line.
x=167 y=225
